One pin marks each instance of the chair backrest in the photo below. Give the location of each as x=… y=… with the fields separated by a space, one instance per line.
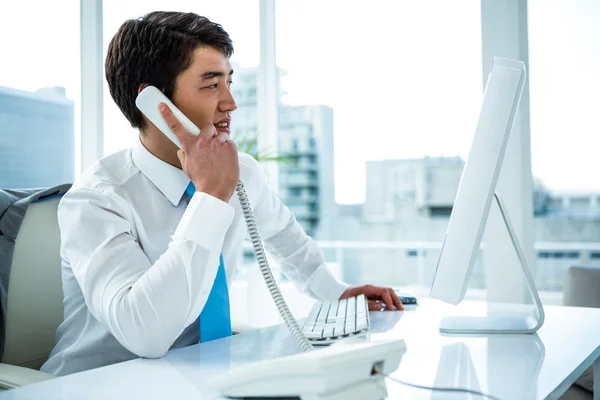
x=35 y=298
x=582 y=286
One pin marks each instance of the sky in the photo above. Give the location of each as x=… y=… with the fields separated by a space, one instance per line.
x=403 y=77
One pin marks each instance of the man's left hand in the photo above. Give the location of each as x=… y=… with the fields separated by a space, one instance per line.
x=377 y=297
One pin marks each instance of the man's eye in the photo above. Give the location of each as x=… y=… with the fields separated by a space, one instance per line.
x=229 y=83
x=214 y=86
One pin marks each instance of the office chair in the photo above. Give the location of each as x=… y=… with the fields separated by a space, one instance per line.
x=582 y=289
x=582 y=286
x=35 y=298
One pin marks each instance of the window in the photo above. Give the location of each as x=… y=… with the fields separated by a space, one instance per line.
x=385 y=93
x=39 y=93
x=443 y=212
x=544 y=254
x=559 y=255
x=294 y=192
x=239 y=18
x=564 y=85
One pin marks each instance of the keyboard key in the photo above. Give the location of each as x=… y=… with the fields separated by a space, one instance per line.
x=335 y=307
x=314 y=335
x=328 y=331
x=334 y=312
x=323 y=313
x=314 y=313
x=361 y=324
x=332 y=318
x=351 y=308
x=342 y=307
x=361 y=302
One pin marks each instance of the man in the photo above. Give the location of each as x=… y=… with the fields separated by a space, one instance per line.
x=151 y=235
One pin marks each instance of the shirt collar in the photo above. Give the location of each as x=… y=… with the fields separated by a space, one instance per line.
x=170 y=180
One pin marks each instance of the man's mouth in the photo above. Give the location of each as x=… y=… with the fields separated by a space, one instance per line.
x=224 y=126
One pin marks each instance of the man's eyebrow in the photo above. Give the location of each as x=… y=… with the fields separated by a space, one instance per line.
x=213 y=74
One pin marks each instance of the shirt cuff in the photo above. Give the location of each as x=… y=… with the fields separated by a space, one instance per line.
x=324 y=285
x=205 y=221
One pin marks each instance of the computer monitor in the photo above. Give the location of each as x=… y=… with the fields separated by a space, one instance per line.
x=476 y=192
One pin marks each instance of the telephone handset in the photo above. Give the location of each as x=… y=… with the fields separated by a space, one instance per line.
x=147 y=102
x=348 y=372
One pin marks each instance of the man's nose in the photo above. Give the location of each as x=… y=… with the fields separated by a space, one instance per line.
x=227 y=101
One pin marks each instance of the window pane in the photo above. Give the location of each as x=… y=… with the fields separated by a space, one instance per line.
x=564 y=84
x=239 y=18
x=39 y=92
x=379 y=102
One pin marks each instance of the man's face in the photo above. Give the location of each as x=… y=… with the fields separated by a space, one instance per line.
x=202 y=90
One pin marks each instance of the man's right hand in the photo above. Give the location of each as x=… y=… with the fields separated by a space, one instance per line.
x=210 y=160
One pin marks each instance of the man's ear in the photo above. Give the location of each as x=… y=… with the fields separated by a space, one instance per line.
x=142 y=87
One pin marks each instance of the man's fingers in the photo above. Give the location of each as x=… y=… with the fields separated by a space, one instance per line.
x=233 y=144
x=174 y=125
x=370 y=291
x=387 y=299
x=181 y=156
x=208 y=132
x=375 y=305
x=222 y=137
x=396 y=300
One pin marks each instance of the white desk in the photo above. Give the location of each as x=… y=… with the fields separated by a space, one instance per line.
x=508 y=367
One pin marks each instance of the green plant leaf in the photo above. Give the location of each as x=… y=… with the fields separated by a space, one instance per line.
x=248 y=145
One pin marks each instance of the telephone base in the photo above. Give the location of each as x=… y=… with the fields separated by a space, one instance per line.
x=343 y=371
x=372 y=389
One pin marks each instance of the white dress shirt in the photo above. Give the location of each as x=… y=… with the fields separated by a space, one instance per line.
x=138 y=261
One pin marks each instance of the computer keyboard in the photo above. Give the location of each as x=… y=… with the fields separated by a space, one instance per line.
x=330 y=321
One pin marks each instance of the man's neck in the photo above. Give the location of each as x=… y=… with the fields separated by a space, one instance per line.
x=160 y=146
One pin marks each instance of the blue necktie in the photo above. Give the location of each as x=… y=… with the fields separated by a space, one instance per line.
x=215 y=320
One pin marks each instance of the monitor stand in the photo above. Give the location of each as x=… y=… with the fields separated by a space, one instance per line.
x=517 y=323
